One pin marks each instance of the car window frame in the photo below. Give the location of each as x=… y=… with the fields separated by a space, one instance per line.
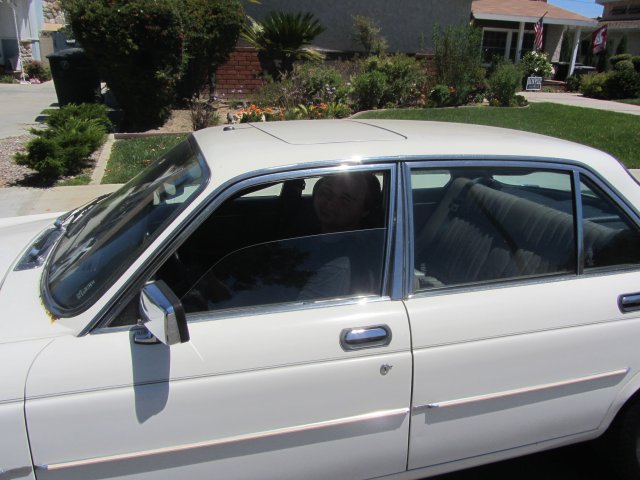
x=227 y=191
x=570 y=167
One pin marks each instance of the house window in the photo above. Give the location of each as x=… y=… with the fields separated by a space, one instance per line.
x=503 y=43
x=493 y=45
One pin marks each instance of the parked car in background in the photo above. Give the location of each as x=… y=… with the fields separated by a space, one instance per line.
x=329 y=299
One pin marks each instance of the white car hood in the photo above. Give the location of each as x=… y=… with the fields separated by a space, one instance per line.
x=22 y=313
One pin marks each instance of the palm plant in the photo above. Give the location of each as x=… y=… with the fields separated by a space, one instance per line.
x=285 y=37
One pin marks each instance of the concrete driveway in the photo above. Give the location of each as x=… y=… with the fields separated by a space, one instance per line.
x=577 y=100
x=21 y=106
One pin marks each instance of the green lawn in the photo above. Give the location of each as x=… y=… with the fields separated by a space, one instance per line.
x=632 y=101
x=130 y=156
x=615 y=133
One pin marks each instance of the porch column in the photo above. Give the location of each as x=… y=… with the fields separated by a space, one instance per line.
x=576 y=44
x=507 y=46
x=520 y=38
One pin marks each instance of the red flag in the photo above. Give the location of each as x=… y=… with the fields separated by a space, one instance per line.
x=599 y=39
x=539 y=30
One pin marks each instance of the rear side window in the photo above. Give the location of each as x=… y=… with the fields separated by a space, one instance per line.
x=491 y=224
x=610 y=237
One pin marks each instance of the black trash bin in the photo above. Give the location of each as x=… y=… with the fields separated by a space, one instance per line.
x=76 y=80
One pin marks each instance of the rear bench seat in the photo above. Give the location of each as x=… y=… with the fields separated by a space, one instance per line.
x=478 y=233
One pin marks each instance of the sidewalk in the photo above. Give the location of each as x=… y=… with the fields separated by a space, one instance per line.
x=22 y=105
x=577 y=100
x=18 y=201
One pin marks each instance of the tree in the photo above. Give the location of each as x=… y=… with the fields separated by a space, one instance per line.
x=211 y=30
x=457 y=56
x=285 y=37
x=366 y=32
x=137 y=46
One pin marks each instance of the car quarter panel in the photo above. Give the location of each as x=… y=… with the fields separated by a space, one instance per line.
x=270 y=396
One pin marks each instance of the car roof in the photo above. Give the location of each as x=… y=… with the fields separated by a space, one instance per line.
x=236 y=150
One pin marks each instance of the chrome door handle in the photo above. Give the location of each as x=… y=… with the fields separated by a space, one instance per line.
x=365 y=337
x=629 y=302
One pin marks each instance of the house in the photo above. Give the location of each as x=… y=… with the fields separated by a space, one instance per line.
x=28 y=27
x=407 y=25
x=622 y=18
x=508 y=28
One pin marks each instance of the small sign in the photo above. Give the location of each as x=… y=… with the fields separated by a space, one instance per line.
x=534 y=84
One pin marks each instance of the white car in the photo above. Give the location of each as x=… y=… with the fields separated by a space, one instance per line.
x=326 y=299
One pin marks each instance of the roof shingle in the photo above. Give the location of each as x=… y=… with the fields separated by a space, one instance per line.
x=524 y=8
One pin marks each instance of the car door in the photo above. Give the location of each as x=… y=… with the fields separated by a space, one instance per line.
x=269 y=386
x=517 y=334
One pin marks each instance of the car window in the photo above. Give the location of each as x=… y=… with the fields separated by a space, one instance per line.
x=102 y=241
x=491 y=224
x=262 y=249
x=610 y=237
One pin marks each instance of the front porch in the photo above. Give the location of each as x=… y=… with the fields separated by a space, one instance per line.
x=508 y=29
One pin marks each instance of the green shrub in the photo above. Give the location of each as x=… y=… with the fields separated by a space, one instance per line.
x=573 y=84
x=406 y=78
x=623 y=57
x=504 y=83
x=319 y=83
x=284 y=94
x=6 y=79
x=623 y=84
x=211 y=29
x=137 y=46
x=284 y=38
x=85 y=111
x=64 y=147
x=369 y=89
x=593 y=85
x=457 y=57
x=520 y=101
x=308 y=83
x=440 y=96
x=536 y=64
x=636 y=63
x=36 y=69
x=624 y=65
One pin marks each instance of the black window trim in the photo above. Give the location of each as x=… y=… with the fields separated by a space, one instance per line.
x=227 y=190
x=570 y=167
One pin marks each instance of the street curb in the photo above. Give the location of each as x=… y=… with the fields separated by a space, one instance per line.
x=103 y=159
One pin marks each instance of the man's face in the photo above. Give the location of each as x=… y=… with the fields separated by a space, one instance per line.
x=339 y=202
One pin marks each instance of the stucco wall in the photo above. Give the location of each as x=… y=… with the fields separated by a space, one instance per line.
x=633 y=41
x=406 y=24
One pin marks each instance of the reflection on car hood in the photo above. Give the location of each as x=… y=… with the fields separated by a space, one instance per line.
x=17 y=233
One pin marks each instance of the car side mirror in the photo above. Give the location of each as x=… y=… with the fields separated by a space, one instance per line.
x=162 y=313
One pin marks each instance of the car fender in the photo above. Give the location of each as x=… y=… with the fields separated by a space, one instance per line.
x=16 y=359
x=626 y=392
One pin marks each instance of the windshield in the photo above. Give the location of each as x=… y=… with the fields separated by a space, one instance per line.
x=109 y=235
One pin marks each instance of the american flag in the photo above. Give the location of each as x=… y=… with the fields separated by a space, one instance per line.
x=538 y=29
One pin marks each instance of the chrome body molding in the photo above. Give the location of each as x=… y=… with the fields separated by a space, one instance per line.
x=367 y=417
x=521 y=391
